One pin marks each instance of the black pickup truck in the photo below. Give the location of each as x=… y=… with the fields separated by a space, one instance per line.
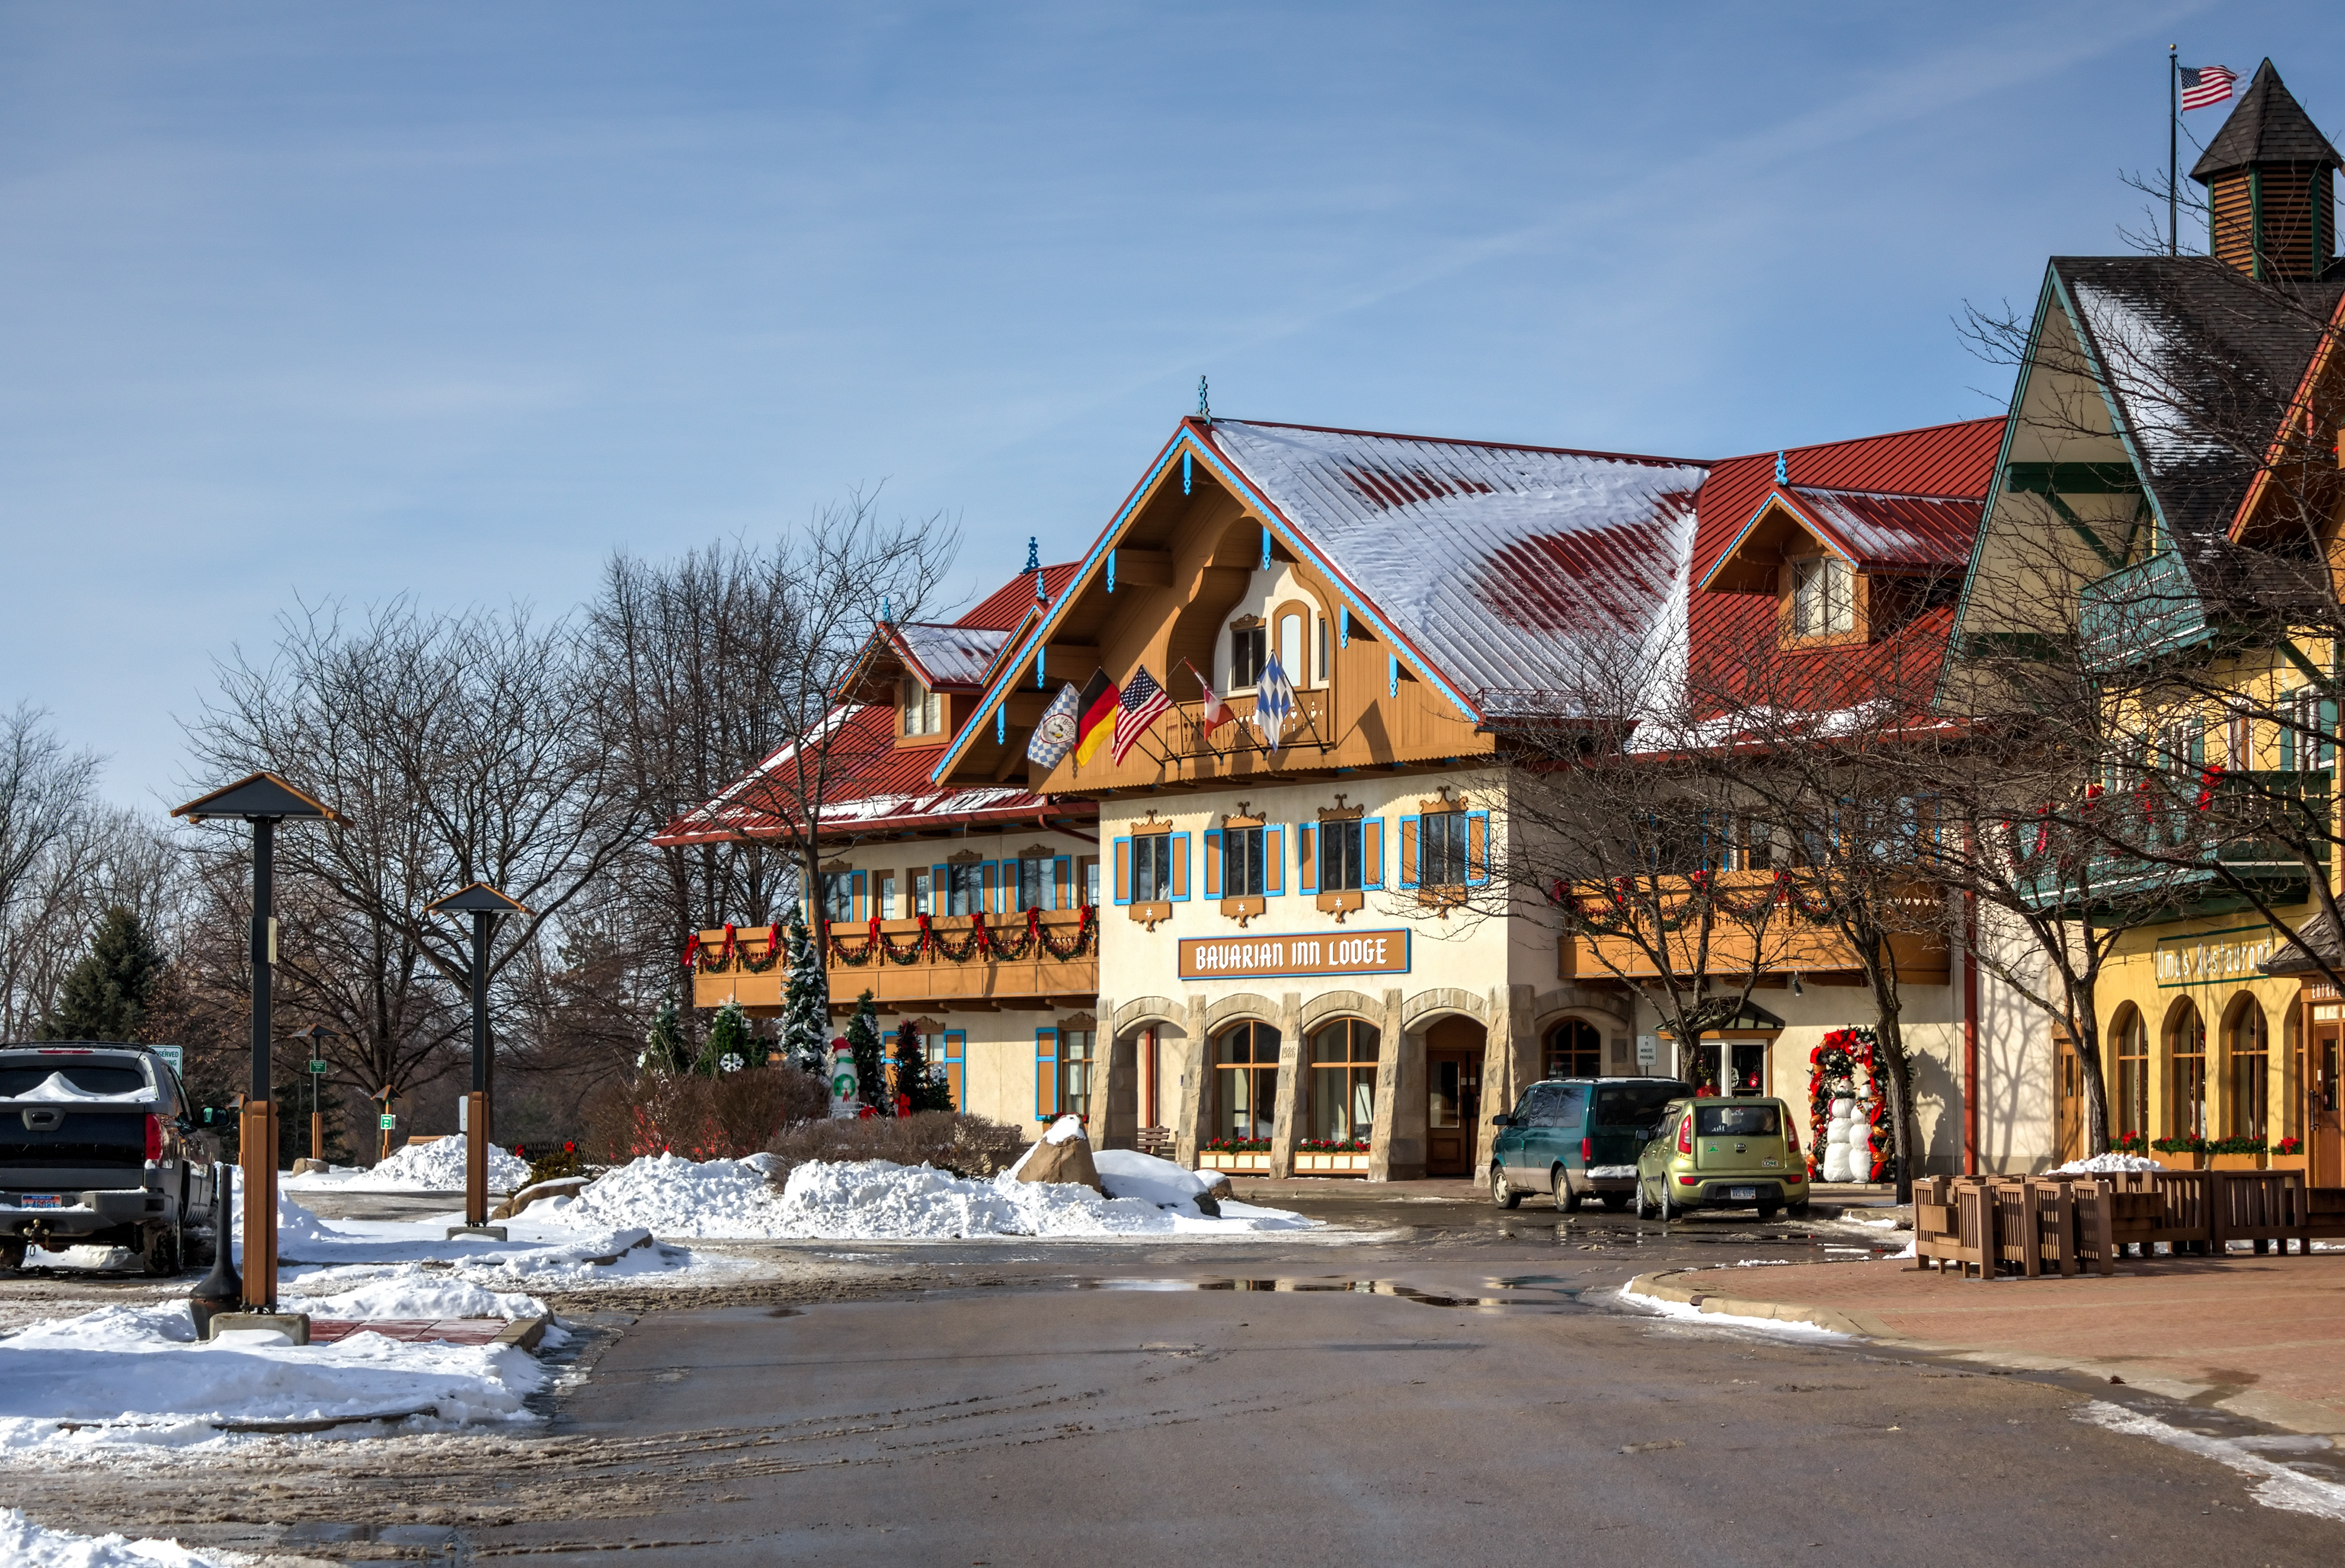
x=96 y=1148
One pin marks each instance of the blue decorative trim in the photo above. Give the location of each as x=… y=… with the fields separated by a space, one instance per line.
x=1042 y=656
x=1391 y=675
x=1184 y=473
x=1783 y=468
x=1110 y=571
x=1265 y=547
x=1343 y=625
x=1000 y=725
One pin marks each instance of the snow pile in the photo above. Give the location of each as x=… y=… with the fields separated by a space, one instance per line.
x=670 y=1196
x=57 y=1089
x=27 y=1545
x=143 y=1377
x=405 y=1290
x=434 y=1166
x=880 y=1201
x=2106 y=1162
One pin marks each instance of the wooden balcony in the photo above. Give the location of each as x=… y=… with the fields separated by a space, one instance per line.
x=1795 y=939
x=1317 y=738
x=937 y=966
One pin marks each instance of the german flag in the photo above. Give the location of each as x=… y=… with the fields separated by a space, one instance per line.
x=1098 y=708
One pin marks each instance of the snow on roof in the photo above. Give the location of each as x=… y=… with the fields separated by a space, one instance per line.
x=1510 y=568
x=1893 y=531
x=949 y=655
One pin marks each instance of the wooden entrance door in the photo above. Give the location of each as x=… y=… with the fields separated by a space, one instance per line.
x=2069 y=1118
x=2327 y=1143
x=1452 y=1110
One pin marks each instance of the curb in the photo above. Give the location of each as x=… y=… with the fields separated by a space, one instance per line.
x=1665 y=1286
x=522 y=1333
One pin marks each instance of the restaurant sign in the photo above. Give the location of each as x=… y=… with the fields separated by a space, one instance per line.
x=2215 y=956
x=1275 y=957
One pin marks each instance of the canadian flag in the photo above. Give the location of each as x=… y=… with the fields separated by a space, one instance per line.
x=1216 y=713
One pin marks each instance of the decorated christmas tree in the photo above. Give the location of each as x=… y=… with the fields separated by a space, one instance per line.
x=805 y=1004
x=664 y=1051
x=730 y=1047
x=870 y=1053
x=913 y=1076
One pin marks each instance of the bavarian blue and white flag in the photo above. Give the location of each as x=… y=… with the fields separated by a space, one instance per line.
x=1054 y=737
x=1273 y=702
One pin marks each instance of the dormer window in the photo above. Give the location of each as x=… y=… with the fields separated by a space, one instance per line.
x=1823 y=597
x=921 y=710
x=1249 y=650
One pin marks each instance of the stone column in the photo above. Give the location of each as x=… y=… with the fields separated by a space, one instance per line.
x=1396 y=1150
x=1115 y=1097
x=1192 y=1095
x=1294 y=1093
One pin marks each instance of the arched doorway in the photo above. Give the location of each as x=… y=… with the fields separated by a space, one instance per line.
x=1575 y=1049
x=1453 y=1094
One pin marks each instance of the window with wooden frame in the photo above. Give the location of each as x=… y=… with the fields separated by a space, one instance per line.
x=1445 y=850
x=1291 y=625
x=1821 y=596
x=1246 y=1082
x=835 y=901
x=1151 y=871
x=1249 y=650
x=1340 y=856
x=1245 y=863
x=919 y=711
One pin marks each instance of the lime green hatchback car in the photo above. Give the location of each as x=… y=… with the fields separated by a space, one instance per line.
x=1742 y=1153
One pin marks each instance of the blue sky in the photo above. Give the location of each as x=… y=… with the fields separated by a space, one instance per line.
x=339 y=301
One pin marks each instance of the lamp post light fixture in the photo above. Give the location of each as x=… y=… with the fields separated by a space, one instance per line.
x=264 y=800
x=486 y=906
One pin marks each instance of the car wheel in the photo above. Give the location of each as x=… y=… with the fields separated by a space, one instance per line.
x=1767 y=1212
x=1615 y=1201
x=11 y=1254
x=1670 y=1210
x=1644 y=1203
x=1567 y=1200
x=1800 y=1211
x=1502 y=1191
x=159 y=1250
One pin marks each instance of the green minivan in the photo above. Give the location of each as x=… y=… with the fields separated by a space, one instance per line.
x=1577 y=1138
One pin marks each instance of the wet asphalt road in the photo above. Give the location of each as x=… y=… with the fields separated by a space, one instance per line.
x=1466 y=1388
x=1438 y=1382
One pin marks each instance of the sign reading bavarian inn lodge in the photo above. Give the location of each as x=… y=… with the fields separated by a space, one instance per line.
x=1264 y=957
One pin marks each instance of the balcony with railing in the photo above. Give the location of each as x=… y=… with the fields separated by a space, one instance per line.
x=973 y=962
x=1726 y=924
x=2186 y=852
x=2140 y=612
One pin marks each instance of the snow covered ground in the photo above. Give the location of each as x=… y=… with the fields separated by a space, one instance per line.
x=137 y=1374
x=435 y=1167
x=875 y=1200
x=24 y=1545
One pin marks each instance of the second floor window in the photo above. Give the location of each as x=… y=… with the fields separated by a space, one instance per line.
x=1442 y=849
x=1339 y=858
x=1034 y=889
x=968 y=895
x=1241 y=863
x=1152 y=868
x=1823 y=597
x=923 y=710
x=1248 y=649
x=838 y=895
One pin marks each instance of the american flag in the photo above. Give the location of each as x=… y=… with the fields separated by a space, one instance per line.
x=2204 y=84
x=1142 y=704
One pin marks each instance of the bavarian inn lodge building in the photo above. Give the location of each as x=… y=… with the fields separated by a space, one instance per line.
x=1267 y=940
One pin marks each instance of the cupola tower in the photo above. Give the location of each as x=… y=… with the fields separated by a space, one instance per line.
x=2270 y=184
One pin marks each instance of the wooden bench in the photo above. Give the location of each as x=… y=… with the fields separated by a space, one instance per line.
x=1954 y=1224
x=2324 y=1214
x=2260 y=1206
x=2035 y=1226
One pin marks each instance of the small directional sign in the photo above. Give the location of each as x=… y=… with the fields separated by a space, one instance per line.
x=316 y=1066
x=389 y=1122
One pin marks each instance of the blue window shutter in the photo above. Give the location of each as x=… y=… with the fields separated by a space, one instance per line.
x=1274 y=862
x=1062 y=881
x=2288 y=706
x=1179 y=868
x=1371 y=852
x=1212 y=863
x=1408 y=850
x=1477 y=847
x=1306 y=857
x=2325 y=751
x=1124 y=871
x=1046 y=1074
x=956 y=1066
x=989 y=884
x=859 y=895
x=941 y=890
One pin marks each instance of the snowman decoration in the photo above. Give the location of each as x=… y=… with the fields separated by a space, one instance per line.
x=846 y=1099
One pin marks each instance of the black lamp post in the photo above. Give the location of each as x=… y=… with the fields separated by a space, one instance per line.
x=264 y=800
x=485 y=904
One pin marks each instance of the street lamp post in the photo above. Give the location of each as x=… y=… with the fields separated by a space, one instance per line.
x=264 y=800
x=316 y=1033
x=486 y=906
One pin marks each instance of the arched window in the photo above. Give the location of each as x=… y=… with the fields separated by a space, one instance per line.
x=2186 y=1046
x=1245 y=1081
x=2129 y=1111
x=1342 y=1081
x=2247 y=1069
x=1575 y=1049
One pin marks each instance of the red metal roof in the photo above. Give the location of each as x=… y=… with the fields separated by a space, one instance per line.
x=1732 y=635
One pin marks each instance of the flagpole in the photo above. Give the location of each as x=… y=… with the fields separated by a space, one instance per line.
x=2173 y=143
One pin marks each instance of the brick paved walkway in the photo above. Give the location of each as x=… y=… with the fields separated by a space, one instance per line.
x=2261 y=1336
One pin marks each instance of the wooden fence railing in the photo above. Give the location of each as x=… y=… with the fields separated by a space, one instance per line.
x=2033 y=1226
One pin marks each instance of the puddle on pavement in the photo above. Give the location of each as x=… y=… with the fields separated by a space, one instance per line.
x=1550 y=1293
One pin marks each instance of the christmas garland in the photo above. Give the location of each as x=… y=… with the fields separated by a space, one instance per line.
x=1831 y=1071
x=1610 y=913
x=983 y=942
x=733 y=954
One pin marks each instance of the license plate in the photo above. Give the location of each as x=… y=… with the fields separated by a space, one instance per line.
x=41 y=1200
x=1740 y=1192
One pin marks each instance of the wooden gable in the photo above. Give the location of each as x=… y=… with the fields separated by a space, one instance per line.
x=1187 y=559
